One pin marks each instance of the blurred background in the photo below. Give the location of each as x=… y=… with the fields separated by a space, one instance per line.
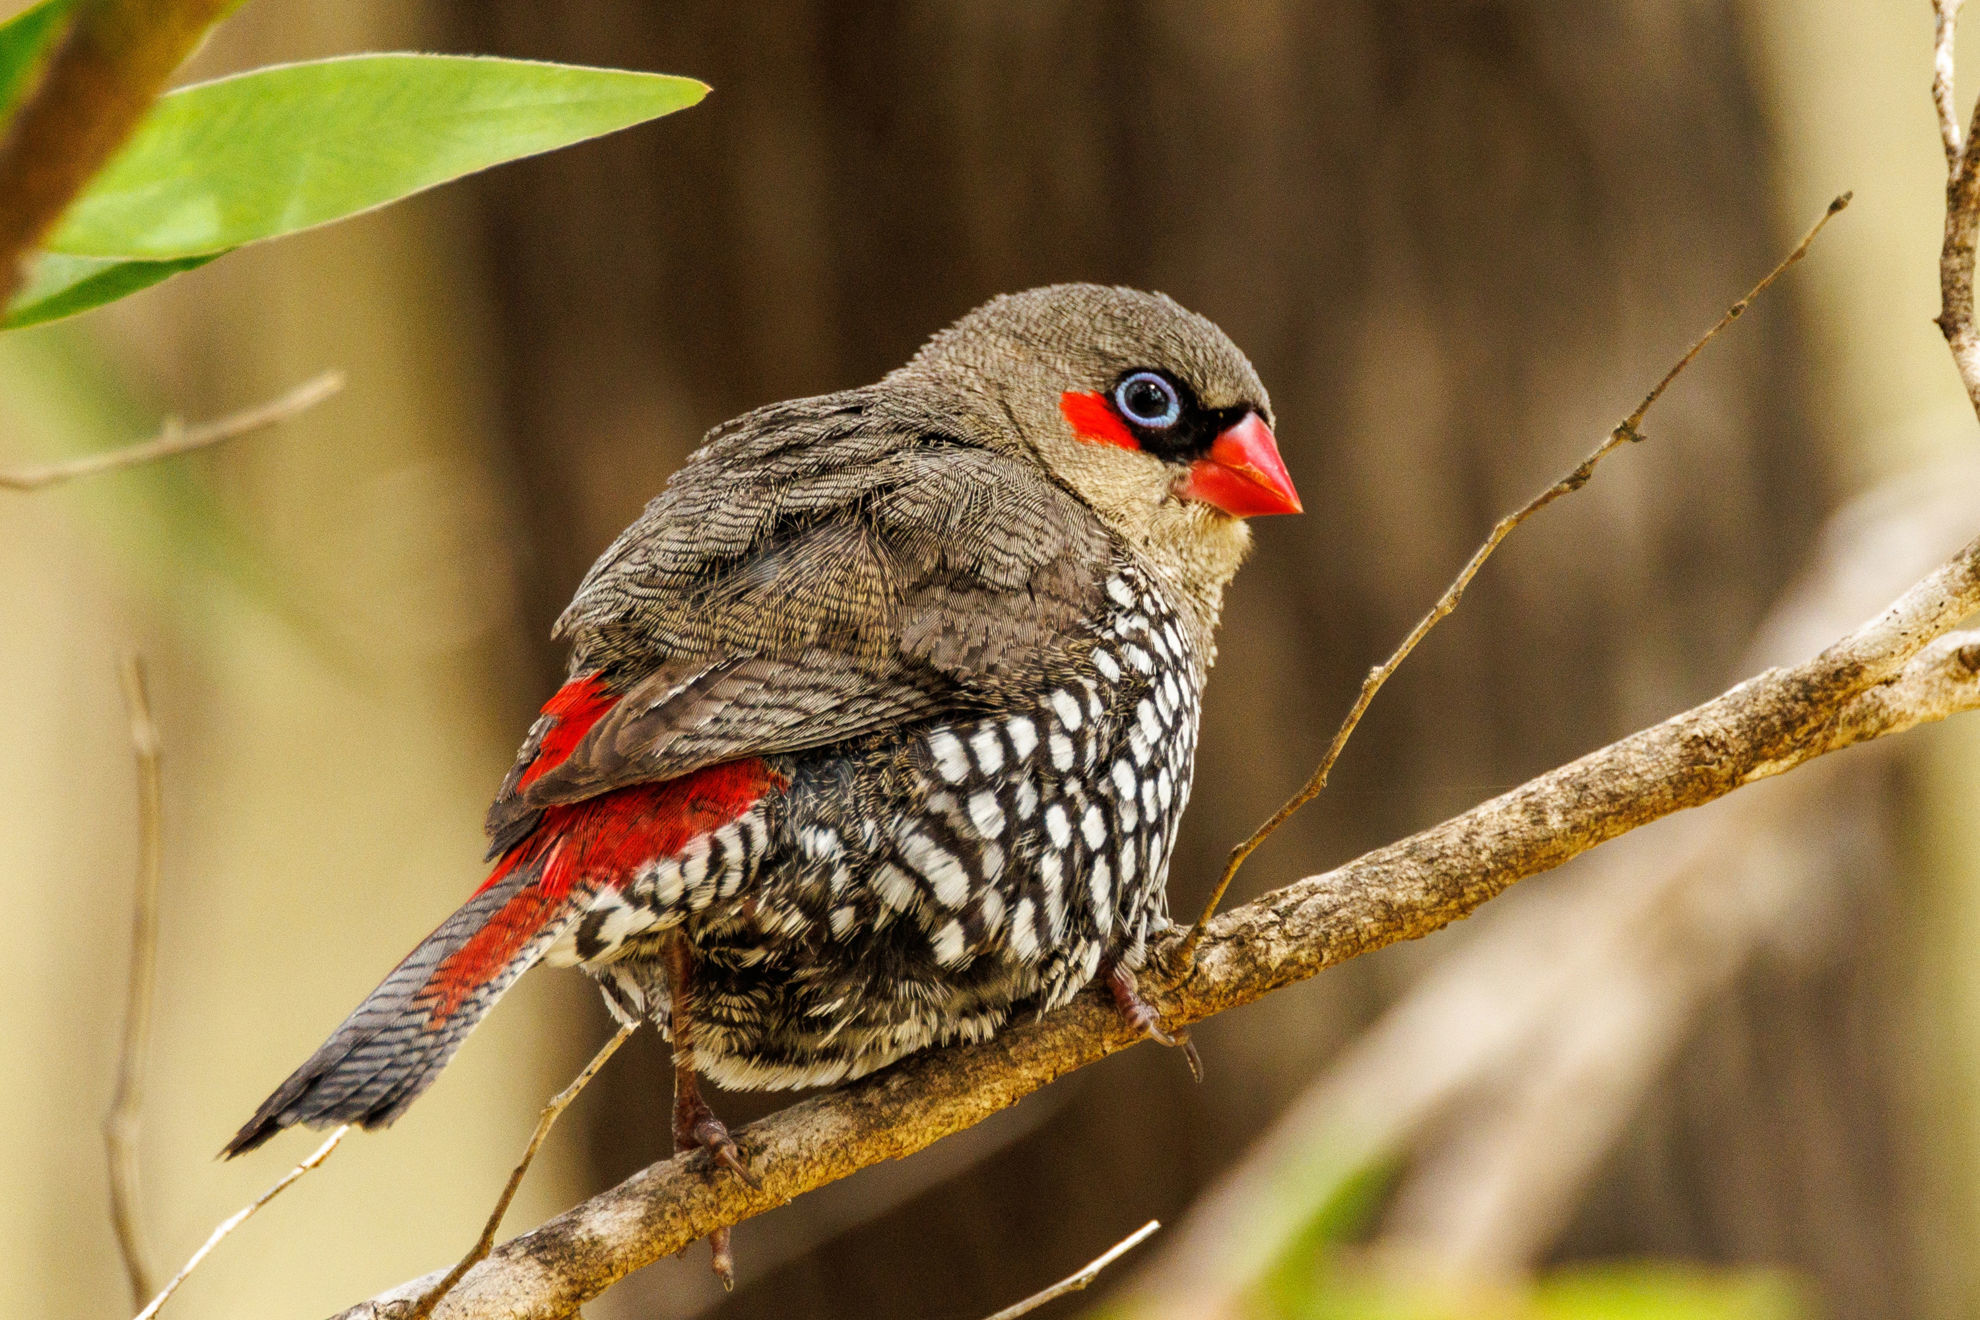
x=1728 y=1067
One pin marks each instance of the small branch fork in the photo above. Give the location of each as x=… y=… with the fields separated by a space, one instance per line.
x=1962 y=206
x=1077 y=1282
x=174 y=438
x=1627 y=430
x=121 y=1124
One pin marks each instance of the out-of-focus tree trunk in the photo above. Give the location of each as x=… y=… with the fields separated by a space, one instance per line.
x=326 y=608
x=1843 y=83
x=1459 y=240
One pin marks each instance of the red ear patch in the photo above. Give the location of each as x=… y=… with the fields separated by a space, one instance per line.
x=1094 y=420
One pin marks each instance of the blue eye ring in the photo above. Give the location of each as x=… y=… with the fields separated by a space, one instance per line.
x=1138 y=395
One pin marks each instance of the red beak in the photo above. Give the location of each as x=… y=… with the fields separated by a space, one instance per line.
x=1243 y=474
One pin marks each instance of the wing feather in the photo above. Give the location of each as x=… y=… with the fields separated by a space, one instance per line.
x=819 y=571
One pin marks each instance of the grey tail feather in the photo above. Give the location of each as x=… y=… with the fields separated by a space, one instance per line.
x=393 y=1046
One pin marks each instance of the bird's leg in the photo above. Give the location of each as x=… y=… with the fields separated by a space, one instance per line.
x=695 y=1124
x=1140 y=1015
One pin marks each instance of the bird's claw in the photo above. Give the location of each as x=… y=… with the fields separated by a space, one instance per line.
x=723 y=1259
x=712 y=1135
x=697 y=1128
x=1141 y=1017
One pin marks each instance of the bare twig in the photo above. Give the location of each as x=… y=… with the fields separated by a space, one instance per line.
x=1765 y=726
x=102 y=77
x=174 y=439
x=1077 y=1282
x=1945 y=19
x=120 y=1125
x=1962 y=210
x=545 y=1121
x=239 y=1217
x=1627 y=430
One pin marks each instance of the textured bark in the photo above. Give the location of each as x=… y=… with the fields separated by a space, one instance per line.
x=1896 y=671
x=1956 y=252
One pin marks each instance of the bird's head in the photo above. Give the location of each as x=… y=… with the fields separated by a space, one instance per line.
x=1146 y=411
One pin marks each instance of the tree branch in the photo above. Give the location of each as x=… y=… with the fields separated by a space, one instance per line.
x=544 y=1122
x=1888 y=675
x=102 y=78
x=174 y=439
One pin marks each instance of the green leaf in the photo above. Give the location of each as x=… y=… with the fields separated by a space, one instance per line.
x=24 y=39
x=281 y=149
x=60 y=285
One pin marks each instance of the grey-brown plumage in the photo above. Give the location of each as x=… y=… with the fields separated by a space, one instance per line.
x=881 y=717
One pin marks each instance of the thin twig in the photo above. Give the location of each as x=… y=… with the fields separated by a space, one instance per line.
x=120 y=1125
x=1073 y=1283
x=1945 y=19
x=174 y=438
x=101 y=79
x=544 y=1122
x=1573 y=481
x=239 y=1217
x=1962 y=211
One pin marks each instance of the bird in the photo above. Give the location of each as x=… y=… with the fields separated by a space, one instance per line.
x=879 y=720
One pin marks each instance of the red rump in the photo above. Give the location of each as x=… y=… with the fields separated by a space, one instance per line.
x=599 y=842
x=1094 y=420
x=577 y=706
x=606 y=838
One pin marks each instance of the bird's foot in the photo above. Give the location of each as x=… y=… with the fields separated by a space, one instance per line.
x=1140 y=1016
x=697 y=1128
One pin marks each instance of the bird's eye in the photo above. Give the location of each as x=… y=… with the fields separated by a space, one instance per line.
x=1147 y=399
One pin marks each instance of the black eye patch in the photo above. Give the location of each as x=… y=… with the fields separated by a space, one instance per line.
x=1165 y=416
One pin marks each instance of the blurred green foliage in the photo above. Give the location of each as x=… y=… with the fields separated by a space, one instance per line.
x=1347 y=1289
x=60 y=285
x=164 y=522
x=257 y=156
x=1328 y=1274
x=24 y=39
x=277 y=150
x=1325 y=1277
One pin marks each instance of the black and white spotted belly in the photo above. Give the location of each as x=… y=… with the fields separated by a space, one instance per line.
x=918 y=887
